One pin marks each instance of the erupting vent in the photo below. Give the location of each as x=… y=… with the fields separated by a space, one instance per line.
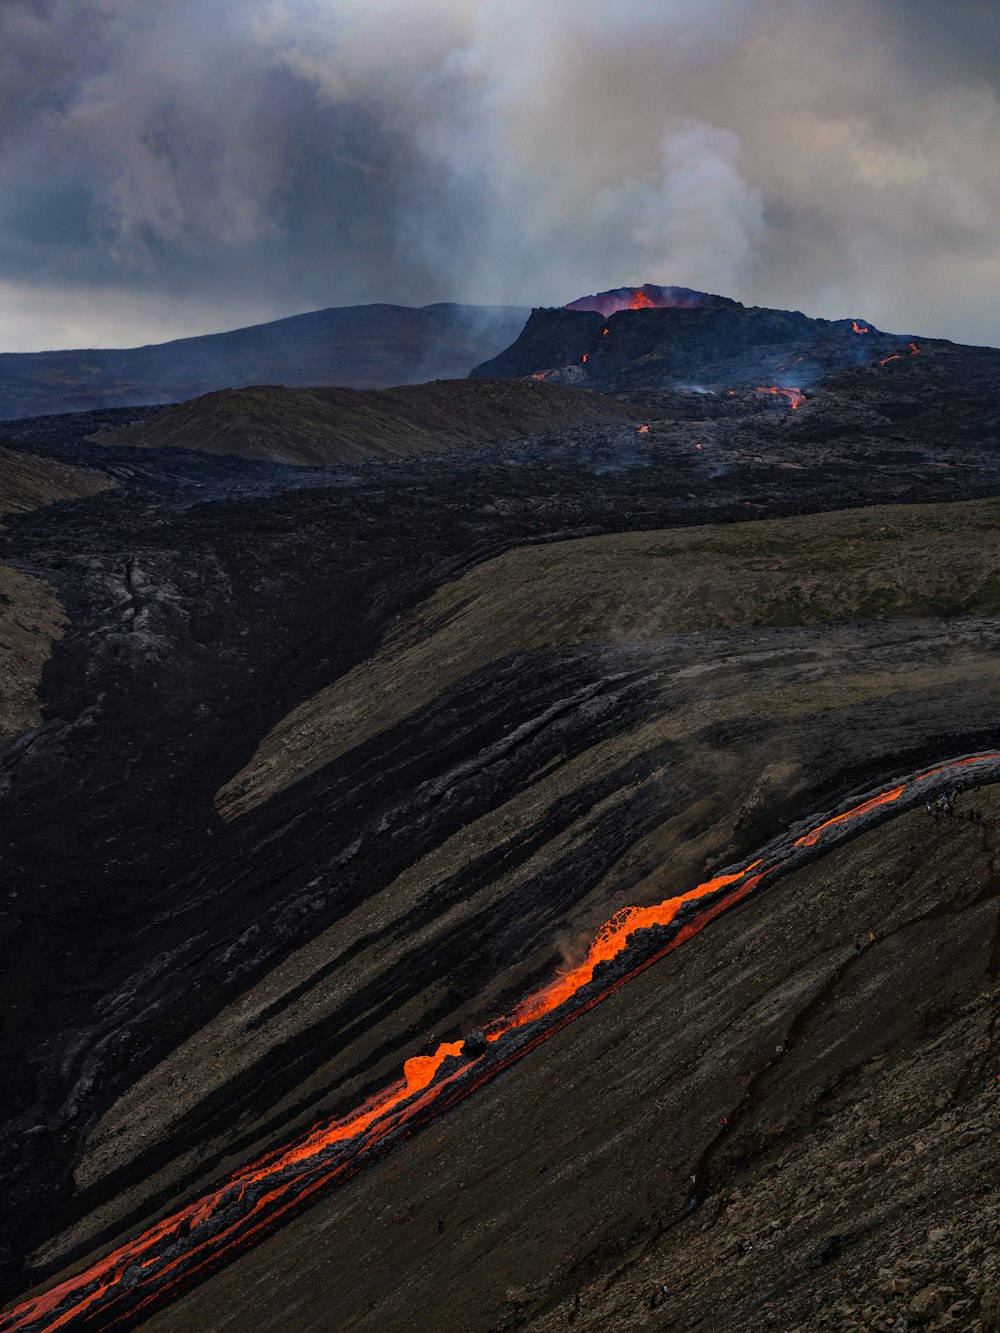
x=648 y=297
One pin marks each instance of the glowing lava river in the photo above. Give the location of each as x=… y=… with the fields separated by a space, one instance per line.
x=154 y=1267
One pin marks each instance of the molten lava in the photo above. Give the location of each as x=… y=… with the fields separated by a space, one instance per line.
x=612 y=939
x=584 y=358
x=859 y=328
x=543 y=374
x=914 y=351
x=642 y=430
x=245 y=1206
x=648 y=297
x=605 y=332
x=795 y=396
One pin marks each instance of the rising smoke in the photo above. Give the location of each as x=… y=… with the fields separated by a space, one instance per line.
x=214 y=161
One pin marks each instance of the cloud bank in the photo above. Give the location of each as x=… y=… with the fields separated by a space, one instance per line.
x=167 y=169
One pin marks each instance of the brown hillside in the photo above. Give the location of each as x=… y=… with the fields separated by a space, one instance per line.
x=318 y=427
x=28 y=482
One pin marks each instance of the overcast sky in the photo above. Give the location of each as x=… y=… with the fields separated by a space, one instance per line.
x=170 y=168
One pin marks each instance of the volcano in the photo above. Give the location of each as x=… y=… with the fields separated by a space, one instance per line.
x=513 y=852
x=669 y=338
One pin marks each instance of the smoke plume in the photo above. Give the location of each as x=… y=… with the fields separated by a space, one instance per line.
x=193 y=166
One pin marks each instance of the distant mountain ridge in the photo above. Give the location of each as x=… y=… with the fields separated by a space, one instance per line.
x=360 y=347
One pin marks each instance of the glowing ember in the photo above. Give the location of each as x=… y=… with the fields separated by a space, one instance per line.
x=642 y=430
x=150 y=1268
x=698 y=444
x=859 y=328
x=584 y=358
x=795 y=396
x=606 y=332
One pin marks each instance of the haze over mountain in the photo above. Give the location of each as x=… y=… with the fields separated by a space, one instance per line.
x=364 y=347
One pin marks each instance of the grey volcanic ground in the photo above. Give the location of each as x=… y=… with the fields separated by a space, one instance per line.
x=336 y=763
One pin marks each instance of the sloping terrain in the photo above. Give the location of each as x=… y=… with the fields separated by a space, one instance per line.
x=884 y=563
x=856 y=1182
x=319 y=427
x=349 y=760
x=31 y=618
x=367 y=347
x=27 y=483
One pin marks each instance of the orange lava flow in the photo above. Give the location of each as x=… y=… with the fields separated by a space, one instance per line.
x=914 y=349
x=542 y=374
x=191 y=1240
x=641 y=302
x=859 y=328
x=812 y=837
x=795 y=396
x=888 y=359
x=611 y=940
x=605 y=332
x=584 y=358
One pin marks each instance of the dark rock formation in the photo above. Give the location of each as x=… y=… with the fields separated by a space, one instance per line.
x=718 y=345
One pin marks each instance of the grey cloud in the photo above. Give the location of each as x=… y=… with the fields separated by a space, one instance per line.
x=209 y=158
